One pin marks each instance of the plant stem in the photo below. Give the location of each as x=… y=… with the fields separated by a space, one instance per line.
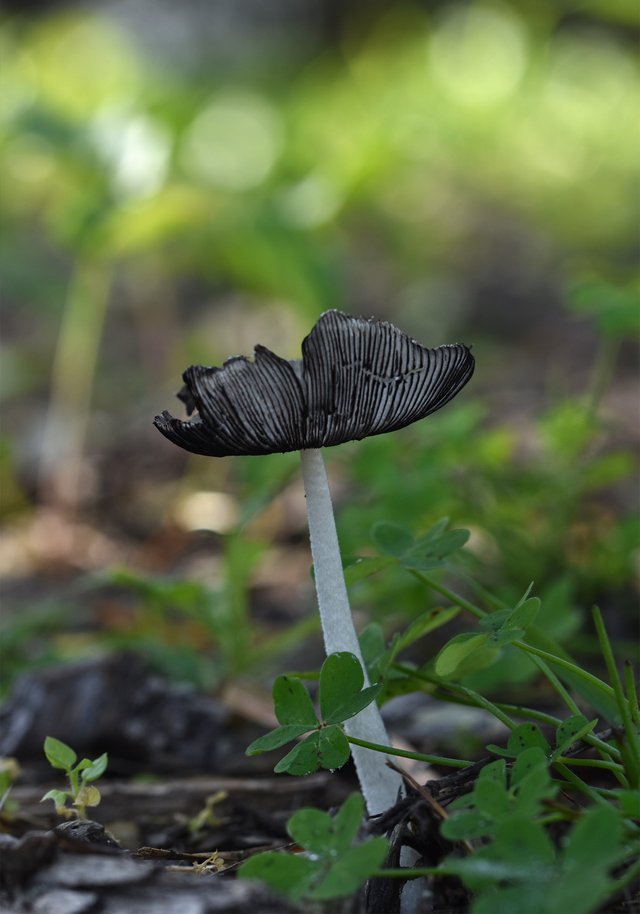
x=474 y=699
x=562 y=662
x=557 y=685
x=455 y=598
x=380 y=785
x=629 y=742
x=463 y=695
x=408 y=872
x=590 y=763
x=73 y=375
x=406 y=753
x=580 y=785
x=632 y=692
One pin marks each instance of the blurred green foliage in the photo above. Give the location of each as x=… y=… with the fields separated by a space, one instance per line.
x=398 y=141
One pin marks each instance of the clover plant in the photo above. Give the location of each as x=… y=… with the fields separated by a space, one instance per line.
x=512 y=831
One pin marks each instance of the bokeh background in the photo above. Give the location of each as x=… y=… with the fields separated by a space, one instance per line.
x=184 y=180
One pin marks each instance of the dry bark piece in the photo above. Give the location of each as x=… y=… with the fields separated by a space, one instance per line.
x=114 y=704
x=65 y=901
x=20 y=857
x=85 y=831
x=114 y=882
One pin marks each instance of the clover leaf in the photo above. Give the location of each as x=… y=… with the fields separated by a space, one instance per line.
x=341 y=697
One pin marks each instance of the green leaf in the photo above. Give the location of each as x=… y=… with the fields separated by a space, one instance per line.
x=348 y=820
x=505 y=635
x=59 y=797
x=531 y=782
x=96 y=768
x=424 y=625
x=467 y=824
x=495 y=620
x=431 y=552
x=351 y=869
x=289 y=874
x=528 y=899
x=336 y=869
x=327 y=748
x=570 y=731
x=524 y=614
x=525 y=845
x=375 y=653
x=333 y=748
x=629 y=803
x=355 y=704
x=531 y=766
x=88 y=795
x=494 y=771
x=521 y=852
x=524 y=737
x=510 y=624
x=364 y=567
x=491 y=797
x=392 y=539
x=324 y=835
x=313 y=829
x=593 y=847
x=292 y=703
x=303 y=758
x=605 y=705
x=585 y=848
x=463 y=654
x=341 y=679
x=276 y=738
x=58 y=754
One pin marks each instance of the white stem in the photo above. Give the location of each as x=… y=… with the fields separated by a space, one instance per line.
x=380 y=785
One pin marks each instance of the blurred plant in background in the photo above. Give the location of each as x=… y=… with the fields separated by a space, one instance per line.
x=467 y=170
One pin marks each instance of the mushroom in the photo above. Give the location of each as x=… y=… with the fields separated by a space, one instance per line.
x=356 y=378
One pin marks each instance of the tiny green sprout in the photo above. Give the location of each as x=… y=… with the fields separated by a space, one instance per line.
x=82 y=791
x=207 y=817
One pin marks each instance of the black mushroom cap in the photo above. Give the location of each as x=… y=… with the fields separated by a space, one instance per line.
x=357 y=378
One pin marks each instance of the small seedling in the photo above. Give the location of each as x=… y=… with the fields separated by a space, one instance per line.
x=207 y=817
x=329 y=866
x=82 y=791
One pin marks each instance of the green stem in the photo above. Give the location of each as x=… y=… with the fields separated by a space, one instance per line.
x=404 y=753
x=479 y=613
x=529 y=714
x=475 y=699
x=568 y=666
x=580 y=785
x=590 y=763
x=632 y=692
x=470 y=698
x=73 y=373
x=407 y=873
x=450 y=594
x=557 y=685
x=629 y=740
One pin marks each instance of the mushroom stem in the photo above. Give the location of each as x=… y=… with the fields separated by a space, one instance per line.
x=380 y=785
